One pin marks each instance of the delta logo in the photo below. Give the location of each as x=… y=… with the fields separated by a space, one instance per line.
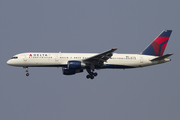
x=38 y=55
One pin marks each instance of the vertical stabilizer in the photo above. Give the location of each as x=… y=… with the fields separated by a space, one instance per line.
x=157 y=47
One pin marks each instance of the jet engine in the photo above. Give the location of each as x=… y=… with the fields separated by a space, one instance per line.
x=73 y=67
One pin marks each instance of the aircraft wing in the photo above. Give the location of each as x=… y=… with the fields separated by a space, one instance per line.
x=99 y=59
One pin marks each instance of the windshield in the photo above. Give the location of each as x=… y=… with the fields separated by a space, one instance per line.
x=14 y=58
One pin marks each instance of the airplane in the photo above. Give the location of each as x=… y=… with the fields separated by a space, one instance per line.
x=73 y=63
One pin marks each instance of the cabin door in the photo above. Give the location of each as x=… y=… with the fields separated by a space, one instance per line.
x=141 y=59
x=25 y=58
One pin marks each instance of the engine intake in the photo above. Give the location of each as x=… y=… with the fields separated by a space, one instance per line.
x=75 y=65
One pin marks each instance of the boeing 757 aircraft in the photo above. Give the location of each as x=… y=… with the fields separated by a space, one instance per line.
x=73 y=63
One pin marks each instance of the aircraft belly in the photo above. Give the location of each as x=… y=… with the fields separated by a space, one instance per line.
x=113 y=66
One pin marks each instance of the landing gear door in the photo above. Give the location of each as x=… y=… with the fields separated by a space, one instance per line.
x=141 y=59
x=57 y=58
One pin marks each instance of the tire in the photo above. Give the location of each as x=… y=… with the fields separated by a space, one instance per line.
x=88 y=76
x=92 y=77
x=27 y=74
x=95 y=74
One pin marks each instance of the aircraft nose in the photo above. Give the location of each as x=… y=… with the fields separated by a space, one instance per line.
x=9 y=62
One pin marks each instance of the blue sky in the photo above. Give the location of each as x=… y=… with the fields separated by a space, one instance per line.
x=88 y=26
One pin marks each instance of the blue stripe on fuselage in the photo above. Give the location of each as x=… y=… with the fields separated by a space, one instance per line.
x=116 y=66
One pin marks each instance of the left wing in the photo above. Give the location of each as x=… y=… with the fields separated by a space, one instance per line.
x=99 y=59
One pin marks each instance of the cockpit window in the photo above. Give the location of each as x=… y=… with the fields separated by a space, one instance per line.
x=14 y=58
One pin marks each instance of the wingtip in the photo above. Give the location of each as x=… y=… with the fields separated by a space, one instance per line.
x=171 y=54
x=114 y=48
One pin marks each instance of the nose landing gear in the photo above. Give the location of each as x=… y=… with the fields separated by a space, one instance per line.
x=27 y=74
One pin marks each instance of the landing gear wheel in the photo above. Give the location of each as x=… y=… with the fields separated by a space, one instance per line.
x=95 y=74
x=92 y=77
x=88 y=76
x=27 y=74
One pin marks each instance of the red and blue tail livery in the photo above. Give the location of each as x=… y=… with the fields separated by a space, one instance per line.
x=157 y=47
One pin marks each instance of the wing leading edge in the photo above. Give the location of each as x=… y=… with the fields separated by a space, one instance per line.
x=99 y=59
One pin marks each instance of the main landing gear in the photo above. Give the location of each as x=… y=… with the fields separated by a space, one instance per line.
x=91 y=74
x=27 y=74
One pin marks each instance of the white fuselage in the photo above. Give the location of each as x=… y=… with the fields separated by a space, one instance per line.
x=121 y=61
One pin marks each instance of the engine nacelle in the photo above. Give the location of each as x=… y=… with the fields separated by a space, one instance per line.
x=75 y=65
x=67 y=71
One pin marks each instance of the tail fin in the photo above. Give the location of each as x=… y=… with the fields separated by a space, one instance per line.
x=157 y=47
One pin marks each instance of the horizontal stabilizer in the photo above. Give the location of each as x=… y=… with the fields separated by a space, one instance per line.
x=161 y=57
